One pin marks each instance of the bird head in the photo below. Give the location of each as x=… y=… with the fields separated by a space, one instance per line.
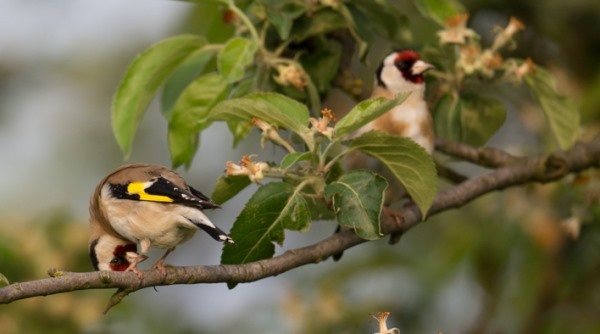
x=402 y=71
x=110 y=253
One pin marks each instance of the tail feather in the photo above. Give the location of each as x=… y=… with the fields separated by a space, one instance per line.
x=215 y=232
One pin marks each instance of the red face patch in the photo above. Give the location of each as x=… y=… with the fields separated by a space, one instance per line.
x=120 y=262
x=404 y=61
x=407 y=55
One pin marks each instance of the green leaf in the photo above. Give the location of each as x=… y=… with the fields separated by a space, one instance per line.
x=407 y=160
x=273 y=108
x=440 y=10
x=199 y=62
x=357 y=200
x=473 y=119
x=561 y=113
x=322 y=65
x=273 y=208
x=447 y=118
x=143 y=77
x=481 y=117
x=364 y=112
x=293 y=157
x=318 y=209
x=282 y=13
x=229 y=186
x=205 y=18
x=376 y=18
x=239 y=130
x=3 y=280
x=233 y=59
x=189 y=116
x=321 y=22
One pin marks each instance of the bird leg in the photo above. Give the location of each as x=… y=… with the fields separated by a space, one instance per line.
x=160 y=264
x=133 y=266
x=144 y=247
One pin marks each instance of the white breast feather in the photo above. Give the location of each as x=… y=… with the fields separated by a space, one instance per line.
x=164 y=225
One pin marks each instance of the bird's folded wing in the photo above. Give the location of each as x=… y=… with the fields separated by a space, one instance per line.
x=163 y=190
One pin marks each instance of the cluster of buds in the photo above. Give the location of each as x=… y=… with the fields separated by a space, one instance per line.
x=291 y=74
x=472 y=58
x=321 y=125
x=254 y=170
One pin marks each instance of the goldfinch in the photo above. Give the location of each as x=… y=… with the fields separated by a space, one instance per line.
x=402 y=71
x=147 y=205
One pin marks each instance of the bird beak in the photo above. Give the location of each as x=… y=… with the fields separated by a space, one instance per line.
x=420 y=67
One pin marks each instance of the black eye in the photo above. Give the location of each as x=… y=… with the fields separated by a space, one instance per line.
x=404 y=65
x=117 y=260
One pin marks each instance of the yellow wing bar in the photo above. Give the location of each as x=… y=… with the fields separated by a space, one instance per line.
x=139 y=188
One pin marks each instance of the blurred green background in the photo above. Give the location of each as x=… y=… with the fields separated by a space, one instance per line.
x=509 y=263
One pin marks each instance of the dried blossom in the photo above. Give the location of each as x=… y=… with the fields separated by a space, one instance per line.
x=526 y=68
x=469 y=59
x=456 y=31
x=490 y=62
x=321 y=125
x=291 y=75
x=506 y=35
x=254 y=170
x=381 y=317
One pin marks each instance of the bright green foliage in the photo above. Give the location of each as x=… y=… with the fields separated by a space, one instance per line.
x=190 y=115
x=233 y=59
x=273 y=108
x=273 y=208
x=196 y=64
x=144 y=76
x=407 y=160
x=561 y=113
x=229 y=186
x=291 y=158
x=364 y=112
x=357 y=199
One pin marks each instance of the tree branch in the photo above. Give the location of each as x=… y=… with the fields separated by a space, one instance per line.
x=543 y=169
x=482 y=156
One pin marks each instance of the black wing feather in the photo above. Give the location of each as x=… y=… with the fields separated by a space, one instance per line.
x=200 y=195
x=164 y=187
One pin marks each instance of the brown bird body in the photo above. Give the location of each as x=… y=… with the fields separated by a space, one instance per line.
x=148 y=205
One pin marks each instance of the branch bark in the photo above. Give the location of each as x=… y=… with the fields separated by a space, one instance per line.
x=544 y=168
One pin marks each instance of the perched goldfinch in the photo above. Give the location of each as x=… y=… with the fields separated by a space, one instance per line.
x=402 y=71
x=148 y=205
